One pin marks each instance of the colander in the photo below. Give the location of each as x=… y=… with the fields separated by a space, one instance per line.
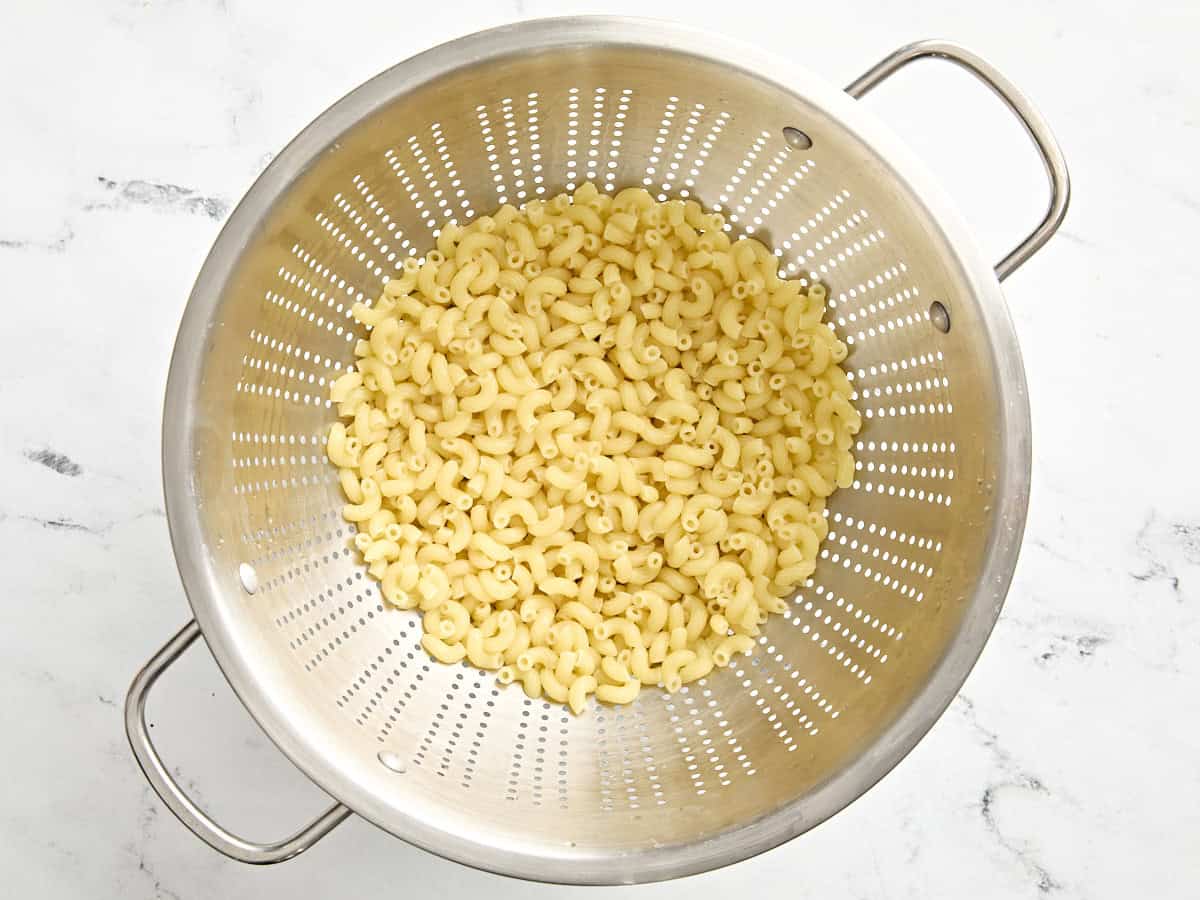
x=920 y=550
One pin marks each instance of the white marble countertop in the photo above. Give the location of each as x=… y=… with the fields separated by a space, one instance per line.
x=1067 y=768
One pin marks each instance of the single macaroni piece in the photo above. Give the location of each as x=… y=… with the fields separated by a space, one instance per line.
x=591 y=441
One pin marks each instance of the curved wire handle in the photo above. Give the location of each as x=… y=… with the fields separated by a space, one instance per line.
x=1035 y=126
x=172 y=794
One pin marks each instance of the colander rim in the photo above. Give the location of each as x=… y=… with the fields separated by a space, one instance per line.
x=202 y=583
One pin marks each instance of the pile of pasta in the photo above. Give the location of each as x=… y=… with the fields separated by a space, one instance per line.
x=592 y=440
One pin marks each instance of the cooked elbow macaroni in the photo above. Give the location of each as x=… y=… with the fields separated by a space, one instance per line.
x=592 y=440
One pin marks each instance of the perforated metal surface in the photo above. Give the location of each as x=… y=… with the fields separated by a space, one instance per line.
x=920 y=548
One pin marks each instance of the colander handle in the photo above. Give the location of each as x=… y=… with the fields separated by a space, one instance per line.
x=1018 y=103
x=173 y=796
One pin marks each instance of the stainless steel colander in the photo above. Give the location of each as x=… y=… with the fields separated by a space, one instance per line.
x=920 y=550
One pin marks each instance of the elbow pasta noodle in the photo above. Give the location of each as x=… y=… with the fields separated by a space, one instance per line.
x=591 y=441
